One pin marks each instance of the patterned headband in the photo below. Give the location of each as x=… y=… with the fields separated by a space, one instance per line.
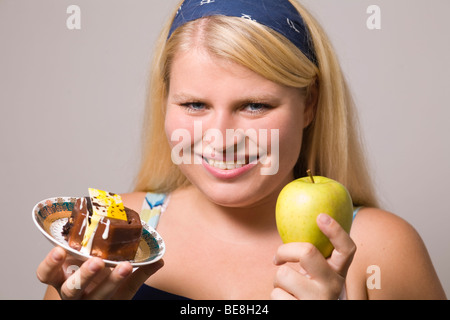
x=279 y=15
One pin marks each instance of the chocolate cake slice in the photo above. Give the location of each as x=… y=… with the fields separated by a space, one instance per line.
x=101 y=235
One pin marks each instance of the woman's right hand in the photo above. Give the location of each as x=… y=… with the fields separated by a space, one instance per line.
x=92 y=279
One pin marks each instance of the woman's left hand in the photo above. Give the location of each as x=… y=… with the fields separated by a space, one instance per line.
x=312 y=276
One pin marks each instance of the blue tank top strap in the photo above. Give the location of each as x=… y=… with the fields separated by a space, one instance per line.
x=355 y=211
x=153 y=206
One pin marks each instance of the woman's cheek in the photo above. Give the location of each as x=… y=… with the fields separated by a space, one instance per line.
x=290 y=142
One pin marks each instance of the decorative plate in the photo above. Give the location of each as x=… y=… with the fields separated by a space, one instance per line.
x=50 y=215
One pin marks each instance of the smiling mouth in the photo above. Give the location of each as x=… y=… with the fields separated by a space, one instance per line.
x=230 y=165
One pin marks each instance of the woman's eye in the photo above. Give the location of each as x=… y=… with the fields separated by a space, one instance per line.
x=193 y=106
x=257 y=107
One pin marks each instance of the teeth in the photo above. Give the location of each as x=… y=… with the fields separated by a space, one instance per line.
x=225 y=165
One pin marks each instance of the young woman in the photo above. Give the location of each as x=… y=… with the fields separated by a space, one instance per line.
x=260 y=83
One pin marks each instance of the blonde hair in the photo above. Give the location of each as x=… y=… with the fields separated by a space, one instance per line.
x=331 y=143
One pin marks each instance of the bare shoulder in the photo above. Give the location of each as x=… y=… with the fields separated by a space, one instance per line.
x=133 y=200
x=390 y=246
x=372 y=221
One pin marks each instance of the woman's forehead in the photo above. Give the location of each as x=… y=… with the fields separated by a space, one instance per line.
x=199 y=71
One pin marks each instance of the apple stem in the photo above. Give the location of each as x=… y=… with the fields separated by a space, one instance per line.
x=310 y=175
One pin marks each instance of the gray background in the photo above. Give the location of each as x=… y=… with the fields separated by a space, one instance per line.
x=59 y=88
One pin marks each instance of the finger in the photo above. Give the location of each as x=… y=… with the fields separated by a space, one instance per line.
x=344 y=247
x=280 y=294
x=312 y=262
x=75 y=285
x=137 y=278
x=110 y=284
x=291 y=282
x=50 y=269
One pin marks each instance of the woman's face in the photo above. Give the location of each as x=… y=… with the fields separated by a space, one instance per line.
x=235 y=135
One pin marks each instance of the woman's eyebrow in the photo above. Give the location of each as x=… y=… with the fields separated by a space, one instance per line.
x=182 y=97
x=268 y=98
x=258 y=98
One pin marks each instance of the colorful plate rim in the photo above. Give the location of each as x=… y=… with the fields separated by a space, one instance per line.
x=49 y=207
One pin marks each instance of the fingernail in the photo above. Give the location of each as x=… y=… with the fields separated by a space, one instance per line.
x=304 y=272
x=324 y=219
x=123 y=270
x=94 y=266
x=56 y=255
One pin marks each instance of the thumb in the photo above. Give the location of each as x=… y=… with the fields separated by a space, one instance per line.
x=137 y=279
x=344 y=247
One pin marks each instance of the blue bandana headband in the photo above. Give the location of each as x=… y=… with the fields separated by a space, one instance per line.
x=279 y=15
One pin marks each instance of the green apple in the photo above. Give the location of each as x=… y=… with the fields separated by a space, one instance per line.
x=302 y=200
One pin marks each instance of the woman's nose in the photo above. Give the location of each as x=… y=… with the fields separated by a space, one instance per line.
x=222 y=133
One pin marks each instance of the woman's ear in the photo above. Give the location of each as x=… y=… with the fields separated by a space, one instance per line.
x=312 y=97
